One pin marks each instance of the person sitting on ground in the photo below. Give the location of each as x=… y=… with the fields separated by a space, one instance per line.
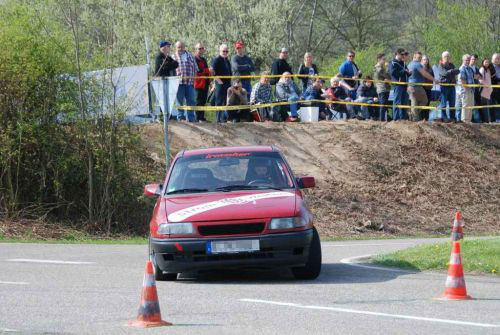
x=368 y=94
x=286 y=90
x=237 y=96
x=315 y=92
x=337 y=93
x=262 y=94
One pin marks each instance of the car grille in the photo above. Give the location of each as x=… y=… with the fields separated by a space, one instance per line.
x=232 y=229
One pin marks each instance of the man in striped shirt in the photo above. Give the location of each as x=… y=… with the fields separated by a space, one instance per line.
x=262 y=94
x=187 y=70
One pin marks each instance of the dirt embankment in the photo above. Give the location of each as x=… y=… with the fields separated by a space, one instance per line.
x=375 y=178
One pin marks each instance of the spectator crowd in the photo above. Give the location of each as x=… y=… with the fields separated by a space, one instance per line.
x=398 y=82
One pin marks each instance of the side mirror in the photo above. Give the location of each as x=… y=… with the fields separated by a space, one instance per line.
x=306 y=182
x=152 y=190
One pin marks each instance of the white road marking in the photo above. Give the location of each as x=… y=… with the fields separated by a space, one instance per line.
x=354 y=311
x=47 y=261
x=8 y=330
x=350 y=261
x=365 y=244
x=14 y=282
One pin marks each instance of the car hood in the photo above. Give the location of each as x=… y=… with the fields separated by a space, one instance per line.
x=230 y=206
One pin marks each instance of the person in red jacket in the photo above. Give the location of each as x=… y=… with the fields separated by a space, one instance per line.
x=201 y=85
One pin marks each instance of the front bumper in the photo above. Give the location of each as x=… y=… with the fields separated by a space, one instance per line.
x=189 y=254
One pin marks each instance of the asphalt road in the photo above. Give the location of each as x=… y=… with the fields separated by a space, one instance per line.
x=95 y=289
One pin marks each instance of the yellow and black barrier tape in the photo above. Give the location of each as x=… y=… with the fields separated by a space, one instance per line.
x=282 y=103
x=328 y=77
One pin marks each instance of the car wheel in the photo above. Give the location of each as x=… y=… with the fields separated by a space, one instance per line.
x=312 y=268
x=159 y=274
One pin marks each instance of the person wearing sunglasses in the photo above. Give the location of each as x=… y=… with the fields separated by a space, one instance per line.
x=221 y=66
x=201 y=85
x=348 y=69
x=237 y=96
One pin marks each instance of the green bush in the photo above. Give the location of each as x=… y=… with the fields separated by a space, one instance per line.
x=87 y=173
x=459 y=30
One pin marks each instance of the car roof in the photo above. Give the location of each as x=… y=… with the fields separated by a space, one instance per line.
x=221 y=150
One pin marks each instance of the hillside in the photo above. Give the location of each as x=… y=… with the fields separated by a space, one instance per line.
x=375 y=179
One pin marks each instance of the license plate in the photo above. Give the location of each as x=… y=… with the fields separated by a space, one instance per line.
x=220 y=247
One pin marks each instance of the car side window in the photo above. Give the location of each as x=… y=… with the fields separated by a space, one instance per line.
x=283 y=175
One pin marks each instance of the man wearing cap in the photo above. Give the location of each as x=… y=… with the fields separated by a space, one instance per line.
x=242 y=65
x=187 y=70
x=399 y=73
x=280 y=66
x=165 y=65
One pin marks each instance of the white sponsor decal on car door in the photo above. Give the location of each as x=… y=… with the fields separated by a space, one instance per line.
x=190 y=211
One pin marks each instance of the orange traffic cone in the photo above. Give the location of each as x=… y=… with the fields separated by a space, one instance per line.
x=149 y=310
x=456 y=232
x=455 y=282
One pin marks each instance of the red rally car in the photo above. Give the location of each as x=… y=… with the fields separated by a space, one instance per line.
x=232 y=207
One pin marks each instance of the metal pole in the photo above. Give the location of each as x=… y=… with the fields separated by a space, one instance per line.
x=148 y=63
x=147 y=50
x=165 y=123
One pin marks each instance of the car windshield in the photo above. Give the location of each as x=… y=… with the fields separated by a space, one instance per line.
x=226 y=172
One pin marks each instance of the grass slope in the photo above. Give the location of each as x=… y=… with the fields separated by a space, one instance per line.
x=478 y=256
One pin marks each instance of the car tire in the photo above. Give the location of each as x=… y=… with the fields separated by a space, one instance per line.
x=312 y=269
x=159 y=274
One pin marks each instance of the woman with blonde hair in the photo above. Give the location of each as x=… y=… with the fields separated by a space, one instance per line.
x=307 y=68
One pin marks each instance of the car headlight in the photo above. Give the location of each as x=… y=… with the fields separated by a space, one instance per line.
x=287 y=223
x=176 y=228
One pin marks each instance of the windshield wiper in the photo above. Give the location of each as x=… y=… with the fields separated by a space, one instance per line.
x=229 y=188
x=188 y=190
x=269 y=188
